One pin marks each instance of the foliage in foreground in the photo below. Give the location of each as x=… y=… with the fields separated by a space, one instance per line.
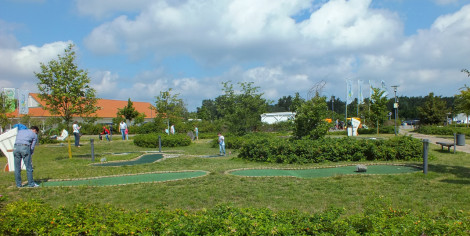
x=33 y=217
x=331 y=149
x=151 y=140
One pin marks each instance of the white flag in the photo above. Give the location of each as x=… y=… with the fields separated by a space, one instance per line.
x=10 y=94
x=360 y=96
x=349 y=92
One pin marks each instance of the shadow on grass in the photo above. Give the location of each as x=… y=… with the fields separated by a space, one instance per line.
x=463 y=173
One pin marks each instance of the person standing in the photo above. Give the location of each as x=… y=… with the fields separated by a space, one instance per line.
x=111 y=132
x=172 y=129
x=221 y=141
x=196 y=130
x=123 y=127
x=76 y=133
x=25 y=142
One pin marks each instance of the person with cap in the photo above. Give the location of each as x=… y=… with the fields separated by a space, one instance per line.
x=26 y=140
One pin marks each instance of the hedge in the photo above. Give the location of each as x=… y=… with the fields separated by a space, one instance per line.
x=151 y=140
x=35 y=218
x=331 y=149
x=442 y=130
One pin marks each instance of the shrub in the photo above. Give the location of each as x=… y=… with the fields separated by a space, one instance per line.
x=35 y=218
x=151 y=140
x=330 y=150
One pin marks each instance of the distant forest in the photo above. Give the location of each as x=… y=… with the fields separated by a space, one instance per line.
x=407 y=108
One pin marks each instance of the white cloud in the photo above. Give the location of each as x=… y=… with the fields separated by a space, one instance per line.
x=21 y=63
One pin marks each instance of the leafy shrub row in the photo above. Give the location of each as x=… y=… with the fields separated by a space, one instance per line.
x=442 y=130
x=35 y=218
x=331 y=149
x=151 y=140
x=236 y=142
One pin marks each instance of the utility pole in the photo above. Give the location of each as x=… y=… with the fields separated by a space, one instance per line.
x=395 y=106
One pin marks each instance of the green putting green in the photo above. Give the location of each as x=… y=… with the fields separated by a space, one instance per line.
x=145 y=159
x=126 y=179
x=325 y=172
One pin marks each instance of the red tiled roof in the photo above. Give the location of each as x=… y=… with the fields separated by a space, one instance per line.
x=109 y=108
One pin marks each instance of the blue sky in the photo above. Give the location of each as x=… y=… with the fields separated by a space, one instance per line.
x=135 y=49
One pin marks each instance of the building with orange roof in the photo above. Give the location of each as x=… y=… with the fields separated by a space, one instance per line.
x=107 y=109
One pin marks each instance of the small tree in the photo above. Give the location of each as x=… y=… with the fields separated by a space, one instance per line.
x=65 y=88
x=4 y=121
x=170 y=108
x=296 y=102
x=378 y=108
x=433 y=111
x=242 y=111
x=128 y=112
x=310 y=119
x=462 y=101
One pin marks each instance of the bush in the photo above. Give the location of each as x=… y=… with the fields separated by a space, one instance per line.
x=442 y=130
x=382 y=130
x=330 y=150
x=151 y=140
x=35 y=218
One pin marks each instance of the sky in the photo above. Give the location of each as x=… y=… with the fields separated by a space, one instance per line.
x=136 y=49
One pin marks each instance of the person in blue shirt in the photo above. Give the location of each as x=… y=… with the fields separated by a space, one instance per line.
x=25 y=142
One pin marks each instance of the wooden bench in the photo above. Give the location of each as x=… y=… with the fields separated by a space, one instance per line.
x=448 y=145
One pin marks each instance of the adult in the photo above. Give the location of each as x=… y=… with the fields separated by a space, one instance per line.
x=25 y=142
x=221 y=141
x=123 y=127
x=76 y=133
x=196 y=130
x=172 y=129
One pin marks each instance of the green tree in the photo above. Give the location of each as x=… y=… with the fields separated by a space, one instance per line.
x=241 y=111
x=65 y=88
x=4 y=121
x=310 y=119
x=208 y=110
x=296 y=102
x=128 y=112
x=433 y=111
x=170 y=108
x=462 y=101
x=378 y=108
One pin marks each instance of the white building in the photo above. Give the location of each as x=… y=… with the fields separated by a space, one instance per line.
x=271 y=118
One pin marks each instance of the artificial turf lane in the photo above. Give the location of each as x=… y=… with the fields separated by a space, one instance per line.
x=126 y=179
x=326 y=172
x=145 y=159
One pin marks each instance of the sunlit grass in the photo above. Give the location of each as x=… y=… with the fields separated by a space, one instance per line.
x=447 y=184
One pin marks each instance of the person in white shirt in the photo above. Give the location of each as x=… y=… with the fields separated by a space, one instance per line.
x=123 y=127
x=221 y=141
x=76 y=133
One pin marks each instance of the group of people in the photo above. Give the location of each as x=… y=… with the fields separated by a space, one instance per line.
x=107 y=132
x=27 y=139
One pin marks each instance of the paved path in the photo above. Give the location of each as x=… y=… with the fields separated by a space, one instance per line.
x=433 y=139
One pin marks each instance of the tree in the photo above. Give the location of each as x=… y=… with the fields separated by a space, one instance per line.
x=296 y=102
x=170 y=108
x=310 y=119
x=462 y=101
x=378 y=108
x=65 y=88
x=4 y=121
x=128 y=112
x=208 y=110
x=433 y=111
x=241 y=111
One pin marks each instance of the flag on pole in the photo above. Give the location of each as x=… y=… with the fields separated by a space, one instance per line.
x=360 y=96
x=349 y=92
x=10 y=99
x=384 y=88
x=23 y=101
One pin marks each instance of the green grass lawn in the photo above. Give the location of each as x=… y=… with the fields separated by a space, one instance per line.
x=447 y=185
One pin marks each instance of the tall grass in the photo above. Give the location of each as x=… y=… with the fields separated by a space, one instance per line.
x=447 y=185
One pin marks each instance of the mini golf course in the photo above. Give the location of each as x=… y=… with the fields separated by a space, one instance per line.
x=325 y=172
x=144 y=159
x=126 y=179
